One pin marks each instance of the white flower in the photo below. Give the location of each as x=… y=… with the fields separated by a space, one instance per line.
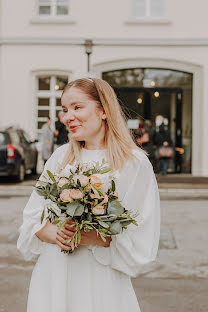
x=53 y=207
x=67 y=171
x=83 y=180
x=62 y=181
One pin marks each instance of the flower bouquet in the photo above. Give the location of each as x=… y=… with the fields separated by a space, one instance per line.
x=81 y=195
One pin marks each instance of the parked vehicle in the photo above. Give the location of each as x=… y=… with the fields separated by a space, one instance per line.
x=17 y=153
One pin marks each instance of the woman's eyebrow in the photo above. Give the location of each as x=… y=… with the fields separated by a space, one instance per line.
x=74 y=103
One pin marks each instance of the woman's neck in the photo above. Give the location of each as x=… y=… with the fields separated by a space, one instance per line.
x=94 y=146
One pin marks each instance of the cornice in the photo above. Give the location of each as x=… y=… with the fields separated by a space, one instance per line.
x=165 y=42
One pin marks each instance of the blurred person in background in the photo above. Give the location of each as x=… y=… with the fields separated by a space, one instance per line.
x=61 y=133
x=146 y=139
x=47 y=139
x=163 y=139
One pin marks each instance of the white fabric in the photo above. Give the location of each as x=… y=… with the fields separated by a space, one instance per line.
x=94 y=278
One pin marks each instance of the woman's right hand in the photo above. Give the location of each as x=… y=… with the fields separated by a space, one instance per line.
x=49 y=234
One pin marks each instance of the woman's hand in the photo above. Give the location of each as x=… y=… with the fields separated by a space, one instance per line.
x=64 y=234
x=89 y=238
x=50 y=235
x=47 y=233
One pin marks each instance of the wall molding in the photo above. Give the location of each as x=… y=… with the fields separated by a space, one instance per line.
x=165 y=42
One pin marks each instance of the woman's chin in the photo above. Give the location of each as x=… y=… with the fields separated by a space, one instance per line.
x=77 y=137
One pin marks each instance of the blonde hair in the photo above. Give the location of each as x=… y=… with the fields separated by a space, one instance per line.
x=118 y=140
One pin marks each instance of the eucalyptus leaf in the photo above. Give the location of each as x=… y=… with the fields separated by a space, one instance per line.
x=41 y=193
x=79 y=210
x=72 y=243
x=71 y=207
x=113 y=186
x=115 y=228
x=89 y=217
x=115 y=208
x=55 y=221
x=51 y=176
x=42 y=183
x=62 y=225
x=42 y=216
x=79 y=236
x=126 y=223
x=103 y=224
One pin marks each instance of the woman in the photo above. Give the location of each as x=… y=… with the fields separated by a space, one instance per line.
x=96 y=276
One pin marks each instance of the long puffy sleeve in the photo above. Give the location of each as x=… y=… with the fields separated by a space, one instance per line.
x=28 y=243
x=135 y=246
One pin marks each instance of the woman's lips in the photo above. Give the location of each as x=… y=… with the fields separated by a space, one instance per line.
x=73 y=128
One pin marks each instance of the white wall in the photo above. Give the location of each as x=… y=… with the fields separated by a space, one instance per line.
x=106 y=19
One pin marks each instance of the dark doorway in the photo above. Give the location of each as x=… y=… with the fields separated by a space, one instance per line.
x=147 y=103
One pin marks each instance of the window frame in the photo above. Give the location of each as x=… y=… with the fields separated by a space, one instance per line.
x=53 y=4
x=51 y=94
x=148 y=14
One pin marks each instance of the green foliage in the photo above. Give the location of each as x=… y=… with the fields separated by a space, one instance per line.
x=51 y=176
x=115 y=208
x=75 y=209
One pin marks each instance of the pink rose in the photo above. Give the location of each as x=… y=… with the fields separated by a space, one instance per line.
x=96 y=182
x=65 y=196
x=76 y=194
x=98 y=210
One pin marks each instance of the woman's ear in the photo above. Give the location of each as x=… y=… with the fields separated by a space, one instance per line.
x=103 y=114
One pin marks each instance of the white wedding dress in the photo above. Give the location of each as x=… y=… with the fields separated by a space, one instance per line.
x=94 y=278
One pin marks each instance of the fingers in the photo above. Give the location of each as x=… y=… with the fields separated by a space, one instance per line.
x=70 y=227
x=70 y=221
x=61 y=244
x=65 y=233
x=64 y=247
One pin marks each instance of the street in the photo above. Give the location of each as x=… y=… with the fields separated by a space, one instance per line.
x=177 y=281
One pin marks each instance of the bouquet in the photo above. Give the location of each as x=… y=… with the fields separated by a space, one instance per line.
x=81 y=195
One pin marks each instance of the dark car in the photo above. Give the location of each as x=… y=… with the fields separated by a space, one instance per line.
x=17 y=153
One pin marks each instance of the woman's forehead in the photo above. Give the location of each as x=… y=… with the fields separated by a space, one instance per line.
x=73 y=95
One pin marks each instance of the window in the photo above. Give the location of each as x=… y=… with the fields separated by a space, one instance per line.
x=148 y=8
x=53 y=7
x=48 y=94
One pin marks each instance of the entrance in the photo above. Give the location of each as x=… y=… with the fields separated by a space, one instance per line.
x=146 y=93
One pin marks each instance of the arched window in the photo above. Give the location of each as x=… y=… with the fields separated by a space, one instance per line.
x=48 y=93
x=148 y=8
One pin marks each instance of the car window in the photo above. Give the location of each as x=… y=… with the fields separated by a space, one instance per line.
x=4 y=138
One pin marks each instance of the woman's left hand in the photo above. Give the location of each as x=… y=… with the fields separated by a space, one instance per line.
x=89 y=238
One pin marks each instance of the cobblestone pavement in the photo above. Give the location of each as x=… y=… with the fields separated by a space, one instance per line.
x=177 y=281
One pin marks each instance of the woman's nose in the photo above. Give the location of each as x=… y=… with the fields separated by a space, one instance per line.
x=68 y=116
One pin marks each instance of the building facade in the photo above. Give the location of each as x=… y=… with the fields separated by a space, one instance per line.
x=153 y=52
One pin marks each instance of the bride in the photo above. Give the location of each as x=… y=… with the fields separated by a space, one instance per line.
x=96 y=276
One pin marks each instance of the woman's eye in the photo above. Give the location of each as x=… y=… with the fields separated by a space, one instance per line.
x=64 y=110
x=76 y=107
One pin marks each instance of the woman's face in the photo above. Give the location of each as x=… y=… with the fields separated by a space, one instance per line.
x=82 y=115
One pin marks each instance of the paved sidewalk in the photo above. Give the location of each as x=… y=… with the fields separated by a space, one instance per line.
x=167 y=190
